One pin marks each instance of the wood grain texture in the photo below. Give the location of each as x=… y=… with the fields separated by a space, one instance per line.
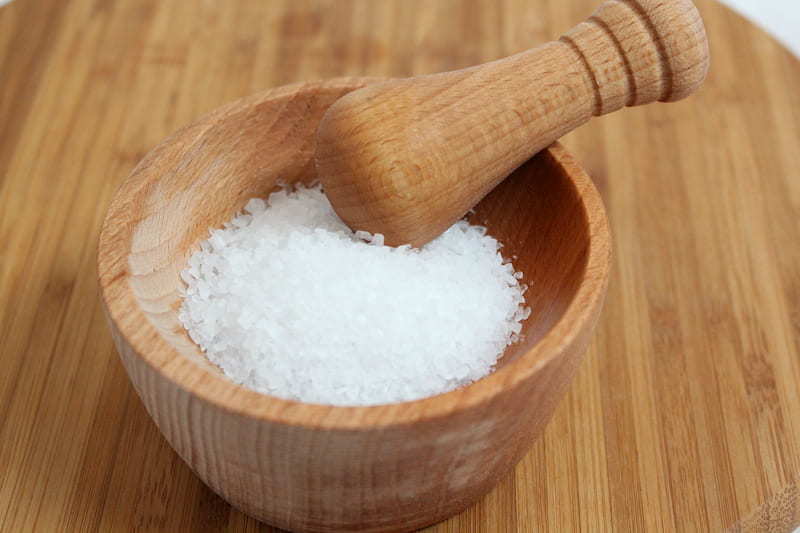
x=685 y=415
x=407 y=158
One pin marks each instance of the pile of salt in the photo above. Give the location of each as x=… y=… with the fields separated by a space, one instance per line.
x=288 y=301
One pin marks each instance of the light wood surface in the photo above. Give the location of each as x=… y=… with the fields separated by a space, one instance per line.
x=409 y=157
x=315 y=468
x=685 y=415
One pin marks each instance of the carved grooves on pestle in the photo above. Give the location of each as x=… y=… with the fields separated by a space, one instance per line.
x=598 y=98
x=666 y=69
x=632 y=89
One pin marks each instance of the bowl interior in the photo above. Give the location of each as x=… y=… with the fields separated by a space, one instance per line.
x=204 y=174
x=539 y=217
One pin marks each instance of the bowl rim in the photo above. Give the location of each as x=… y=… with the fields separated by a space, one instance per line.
x=128 y=321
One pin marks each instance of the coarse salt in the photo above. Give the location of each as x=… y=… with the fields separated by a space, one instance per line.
x=288 y=301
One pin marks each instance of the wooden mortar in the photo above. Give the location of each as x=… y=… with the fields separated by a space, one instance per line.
x=320 y=468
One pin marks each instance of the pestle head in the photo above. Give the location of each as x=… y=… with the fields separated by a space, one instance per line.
x=407 y=158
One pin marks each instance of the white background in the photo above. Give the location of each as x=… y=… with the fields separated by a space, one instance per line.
x=779 y=17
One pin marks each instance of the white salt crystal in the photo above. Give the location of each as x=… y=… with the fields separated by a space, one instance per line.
x=288 y=301
x=255 y=206
x=363 y=235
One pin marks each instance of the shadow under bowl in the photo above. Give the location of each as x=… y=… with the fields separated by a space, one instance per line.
x=308 y=467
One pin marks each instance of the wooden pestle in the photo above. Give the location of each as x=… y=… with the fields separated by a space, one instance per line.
x=409 y=157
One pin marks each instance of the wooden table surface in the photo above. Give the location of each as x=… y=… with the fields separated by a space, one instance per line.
x=685 y=415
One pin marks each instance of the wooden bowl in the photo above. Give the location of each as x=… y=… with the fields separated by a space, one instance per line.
x=311 y=467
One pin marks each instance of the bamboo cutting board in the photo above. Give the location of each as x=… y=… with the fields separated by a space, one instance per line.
x=686 y=413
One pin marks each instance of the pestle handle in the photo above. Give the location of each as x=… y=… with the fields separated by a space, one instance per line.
x=409 y=157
